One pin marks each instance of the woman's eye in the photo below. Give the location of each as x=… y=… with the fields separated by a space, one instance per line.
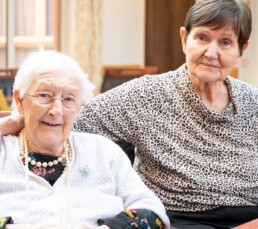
x=44 y=95
x=202 y=37
x=69 y=99
x=226 y=42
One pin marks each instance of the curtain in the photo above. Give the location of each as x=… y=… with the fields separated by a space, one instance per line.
x=81 y=35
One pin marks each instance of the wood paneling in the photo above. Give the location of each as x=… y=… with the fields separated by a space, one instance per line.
x=162 y=41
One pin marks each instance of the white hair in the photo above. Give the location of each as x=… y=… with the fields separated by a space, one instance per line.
x=48 y=61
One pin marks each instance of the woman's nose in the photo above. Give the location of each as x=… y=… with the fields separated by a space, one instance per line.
x=56 y=108
x=212 y=51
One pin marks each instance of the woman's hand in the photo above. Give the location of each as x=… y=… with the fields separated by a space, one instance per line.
x=11 y=123
x=4 y=113
x=84 y=226
x=20 y=226
x=30 y=226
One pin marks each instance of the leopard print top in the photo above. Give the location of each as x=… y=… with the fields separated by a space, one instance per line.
x=192 y=157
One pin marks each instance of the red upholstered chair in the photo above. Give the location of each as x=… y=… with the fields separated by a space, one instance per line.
x=249 y=225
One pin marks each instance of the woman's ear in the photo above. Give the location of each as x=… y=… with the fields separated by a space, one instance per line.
x=183 y=38
x=18 y=101
x=245 y=46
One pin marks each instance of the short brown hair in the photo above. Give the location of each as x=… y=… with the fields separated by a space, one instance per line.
x=220 y=13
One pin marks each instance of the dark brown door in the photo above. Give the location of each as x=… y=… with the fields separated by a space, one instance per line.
x=162 y=41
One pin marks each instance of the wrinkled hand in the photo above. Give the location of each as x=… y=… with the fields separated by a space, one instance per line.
x=53 y=227
x=4 y=113
x=49 y=226
x=0 y=136
x=84 y=226
x=30 y=226
x=11 y=123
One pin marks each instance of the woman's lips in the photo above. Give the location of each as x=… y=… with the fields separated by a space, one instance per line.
x=52 y=124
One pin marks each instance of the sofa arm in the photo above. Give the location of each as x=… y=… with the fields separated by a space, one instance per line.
x=249 y=225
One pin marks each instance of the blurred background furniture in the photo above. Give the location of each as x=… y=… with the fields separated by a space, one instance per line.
x=3 y=102
x=6 y=86
x=116 y=75
x=234 y=72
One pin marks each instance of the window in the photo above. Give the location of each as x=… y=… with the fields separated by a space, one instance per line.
x=26 y=26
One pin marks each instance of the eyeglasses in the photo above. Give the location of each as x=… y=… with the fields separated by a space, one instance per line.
x=46 y=98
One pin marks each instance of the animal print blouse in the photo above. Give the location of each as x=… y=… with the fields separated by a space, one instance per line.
x=192 y=157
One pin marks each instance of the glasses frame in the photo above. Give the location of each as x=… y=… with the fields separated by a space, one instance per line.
x=53 y=98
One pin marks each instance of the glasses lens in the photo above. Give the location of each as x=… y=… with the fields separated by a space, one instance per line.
x=43 y=97
x=69 y=102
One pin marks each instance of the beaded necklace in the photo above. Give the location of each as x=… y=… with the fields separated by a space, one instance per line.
x=64 y=159
x=44 y=164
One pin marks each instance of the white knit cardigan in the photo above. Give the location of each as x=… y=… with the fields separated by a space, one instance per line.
x=102 y=184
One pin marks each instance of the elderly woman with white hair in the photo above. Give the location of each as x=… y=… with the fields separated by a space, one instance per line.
x=52 y=176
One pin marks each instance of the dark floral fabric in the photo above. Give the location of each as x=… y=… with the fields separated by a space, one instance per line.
x=51 y=174
x=135 y=219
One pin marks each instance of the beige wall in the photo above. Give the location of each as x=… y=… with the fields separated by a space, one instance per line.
x=248 y=65
x=123 y=32
x=123 y=37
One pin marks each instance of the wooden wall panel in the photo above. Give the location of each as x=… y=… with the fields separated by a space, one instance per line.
x=162 y=41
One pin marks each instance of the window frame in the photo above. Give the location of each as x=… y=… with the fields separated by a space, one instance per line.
x=40 y=40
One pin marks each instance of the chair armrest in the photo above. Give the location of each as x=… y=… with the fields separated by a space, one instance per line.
x=249 y=225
